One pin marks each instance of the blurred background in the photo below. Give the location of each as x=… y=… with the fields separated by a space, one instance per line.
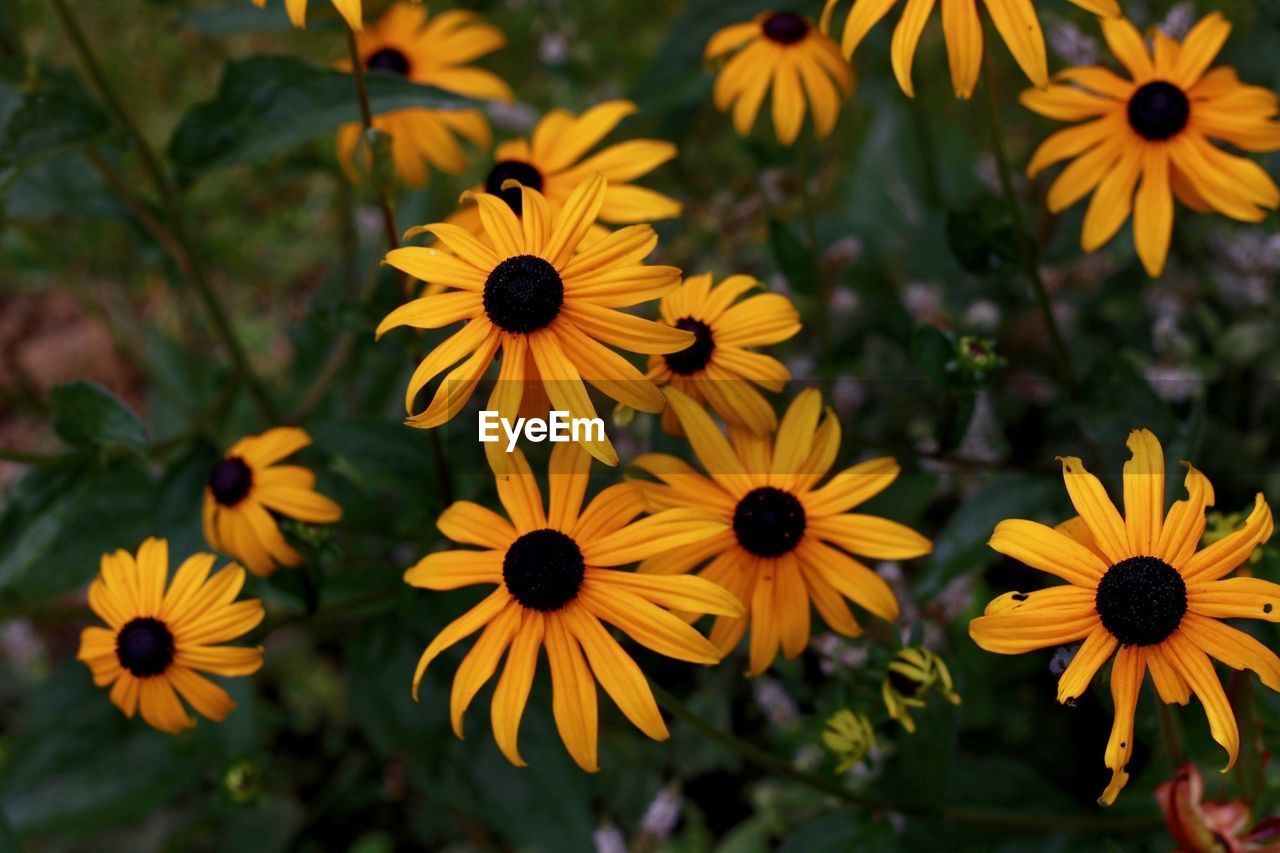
x=937 y=356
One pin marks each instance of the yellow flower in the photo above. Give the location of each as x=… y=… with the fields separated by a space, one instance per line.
x=297 y=11
x=246 y=487
x=849 y=737
x=555 y=161
x=776 y=553
x=718 y=367
x=434 y=53
x=785 y=50
x=1015 y=21
x=160 y=635
x=1138 y=587
x=555 y=576
x=1148 y=139
x=913 y=673
x=547 y=306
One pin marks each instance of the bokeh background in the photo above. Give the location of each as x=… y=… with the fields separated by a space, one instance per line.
x=327 y=749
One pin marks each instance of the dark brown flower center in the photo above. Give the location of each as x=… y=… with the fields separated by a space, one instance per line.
x=523 y=294
x=145 y=647
x=1158 y=110
x=694 y=357
x=785 y=27
x=543 y=570
x=526 y=174
x=1141 y=600
x=230 y=481
x=388 y=59
x=769 y=522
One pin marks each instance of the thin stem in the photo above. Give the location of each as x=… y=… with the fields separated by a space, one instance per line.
x=366 y=118
x=822 y=284
x=393 y=240
x=176 y=239
x=1169 y=732
x=989 y=818
x=928 y=153
x=1027 y=249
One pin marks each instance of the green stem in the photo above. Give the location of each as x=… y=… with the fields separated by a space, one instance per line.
x=928 y=153
x=1027 y=249
x=822 y=321
x=1169 y=732
x=988 y=818
x=366 y=118
x=443 y=472
x=176 y=240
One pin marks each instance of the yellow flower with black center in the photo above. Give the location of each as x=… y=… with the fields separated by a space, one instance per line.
x=718 y=367
x=913 y=674
x=1140 y=589
x=161 y=635
x=247 y=490
x=849 y=737
x=555 y=161
x=549 y=306
x=432 y=52
x=1015 y=20
x=350 y=10
x=555 y=570
x=1149 y=139
x=786 y=51
x=787 y=541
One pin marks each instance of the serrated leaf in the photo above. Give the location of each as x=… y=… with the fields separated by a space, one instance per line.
x=88 y=415
x=269 y=104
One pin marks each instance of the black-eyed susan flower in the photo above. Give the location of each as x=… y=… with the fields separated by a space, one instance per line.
x=786 y=51
x=555 y=160
x=1150 y=138
x=1015 y=20
x=787 y=541
x=849 y=737
x=246 y=493
x=718 y=367
x=913 y=674
x=550 y=308
x=297 y=12
x=161 y=635
x=555 y=568
x=1138 y=589
x=433 y=52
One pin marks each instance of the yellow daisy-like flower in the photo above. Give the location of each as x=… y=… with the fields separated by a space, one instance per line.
x=554 y=568
x=1015 y=20
x=1150 y=138
x=1138 y=588
x=432 y=52
x=787 y=541
x=718 y=367
x=161 y=635
x=297 y=10
x=785 y=50
x=913 y=673
x=247 y=489
x=548 y=306
x=555 y=161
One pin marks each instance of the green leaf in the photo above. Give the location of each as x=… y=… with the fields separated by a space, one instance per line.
x=88 y=415
x=39 y=125
x=235 y=18
x=269 y=104
x=13 y=57
x=57 y=521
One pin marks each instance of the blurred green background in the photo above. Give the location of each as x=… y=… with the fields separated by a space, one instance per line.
x=327 y=750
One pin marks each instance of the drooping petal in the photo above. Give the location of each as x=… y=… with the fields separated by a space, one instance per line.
x=1126 y=682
